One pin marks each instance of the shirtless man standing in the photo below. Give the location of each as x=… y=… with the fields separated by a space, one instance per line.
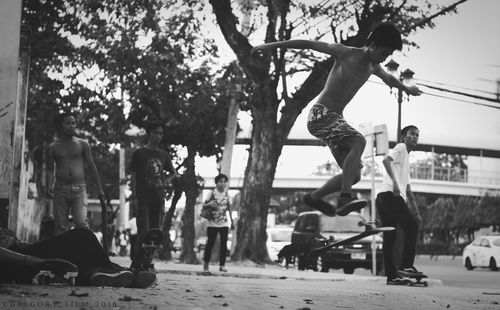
x=352 y=68
x=70 y=154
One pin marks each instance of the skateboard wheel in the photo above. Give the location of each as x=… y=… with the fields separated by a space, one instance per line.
x=44 y=280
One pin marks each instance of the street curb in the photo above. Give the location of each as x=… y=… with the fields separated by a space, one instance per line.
x=378 y=279
x=253 y=271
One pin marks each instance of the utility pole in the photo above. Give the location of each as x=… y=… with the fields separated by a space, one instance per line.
x=123 y=214
x=234 y=108
x=377 y=144
x=231 y=127
x=405 y=77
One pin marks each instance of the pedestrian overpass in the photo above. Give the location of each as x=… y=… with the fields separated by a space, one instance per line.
x=425 y=179
x=419 y=183
x=418 y=186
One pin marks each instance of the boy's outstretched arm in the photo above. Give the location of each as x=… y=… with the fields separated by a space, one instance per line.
x=297 y=44
x=392 y=81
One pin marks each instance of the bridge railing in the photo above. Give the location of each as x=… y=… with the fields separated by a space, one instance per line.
x=449 y=174
x=454 y=174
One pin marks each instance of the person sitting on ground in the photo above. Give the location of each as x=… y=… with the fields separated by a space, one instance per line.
x=20 y=262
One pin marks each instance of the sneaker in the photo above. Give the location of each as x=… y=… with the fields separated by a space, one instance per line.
x=222 y=269
x=320 y=205
x=346 y=205
x=117 y=279
x=409 y=271
x=117 y=267
x=143 y=279
x=205 y=266
x=398 y=281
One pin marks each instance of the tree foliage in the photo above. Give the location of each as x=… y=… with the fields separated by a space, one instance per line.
x=120 y=63
x=449 y=220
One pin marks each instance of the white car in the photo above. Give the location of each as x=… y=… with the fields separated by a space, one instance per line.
x=277 y=238
x=483 y=252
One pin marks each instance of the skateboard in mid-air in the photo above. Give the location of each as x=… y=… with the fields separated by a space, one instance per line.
x=151 y=243
x=55 y=271
x=330 y=244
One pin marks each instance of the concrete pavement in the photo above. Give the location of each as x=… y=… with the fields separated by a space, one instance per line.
x=247 y=286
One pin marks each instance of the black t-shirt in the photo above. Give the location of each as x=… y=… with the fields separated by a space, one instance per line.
x=149 y=167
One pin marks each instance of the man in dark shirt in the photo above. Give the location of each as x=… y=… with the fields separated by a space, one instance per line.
x=152 y=171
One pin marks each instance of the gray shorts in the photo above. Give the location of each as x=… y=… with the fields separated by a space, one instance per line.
x=331 y=128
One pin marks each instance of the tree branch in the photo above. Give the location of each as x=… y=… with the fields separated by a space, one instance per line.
x=426 y=20
x=255 y=67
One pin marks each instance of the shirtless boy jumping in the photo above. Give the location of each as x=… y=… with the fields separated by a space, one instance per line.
x=70 y=154
x=352 y=68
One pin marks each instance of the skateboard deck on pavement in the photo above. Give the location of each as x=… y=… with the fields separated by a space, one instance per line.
x=366 y=233
x=418 y=279
x=56 y=272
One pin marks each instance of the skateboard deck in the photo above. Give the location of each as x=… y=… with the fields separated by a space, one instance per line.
x=151 y=243
x=362 y=235
x=56 y=271
x=418 y=279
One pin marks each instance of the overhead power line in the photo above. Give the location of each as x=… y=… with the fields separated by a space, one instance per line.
x=461 y=100
x=460 y=87
x=460 y=93
x=447 y=97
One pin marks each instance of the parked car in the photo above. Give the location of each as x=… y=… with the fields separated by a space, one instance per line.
x=314 y=228
x=483 y=252
x=277 y=238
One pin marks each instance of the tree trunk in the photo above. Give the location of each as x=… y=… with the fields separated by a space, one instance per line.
x=188 y=232
x=256 y=193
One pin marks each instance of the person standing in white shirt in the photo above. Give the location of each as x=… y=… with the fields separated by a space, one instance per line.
x=396 y=205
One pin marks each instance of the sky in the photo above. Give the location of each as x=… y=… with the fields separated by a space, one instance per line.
x=461 y=53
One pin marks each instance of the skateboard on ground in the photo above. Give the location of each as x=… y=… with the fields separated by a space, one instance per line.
x=151 y=243
x=57 y=271
x=331 y=244
x=418 y=279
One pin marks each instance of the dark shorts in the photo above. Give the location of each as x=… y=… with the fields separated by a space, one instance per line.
x=331 y=128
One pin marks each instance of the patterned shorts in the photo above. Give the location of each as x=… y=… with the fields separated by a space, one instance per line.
x=331 y=128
